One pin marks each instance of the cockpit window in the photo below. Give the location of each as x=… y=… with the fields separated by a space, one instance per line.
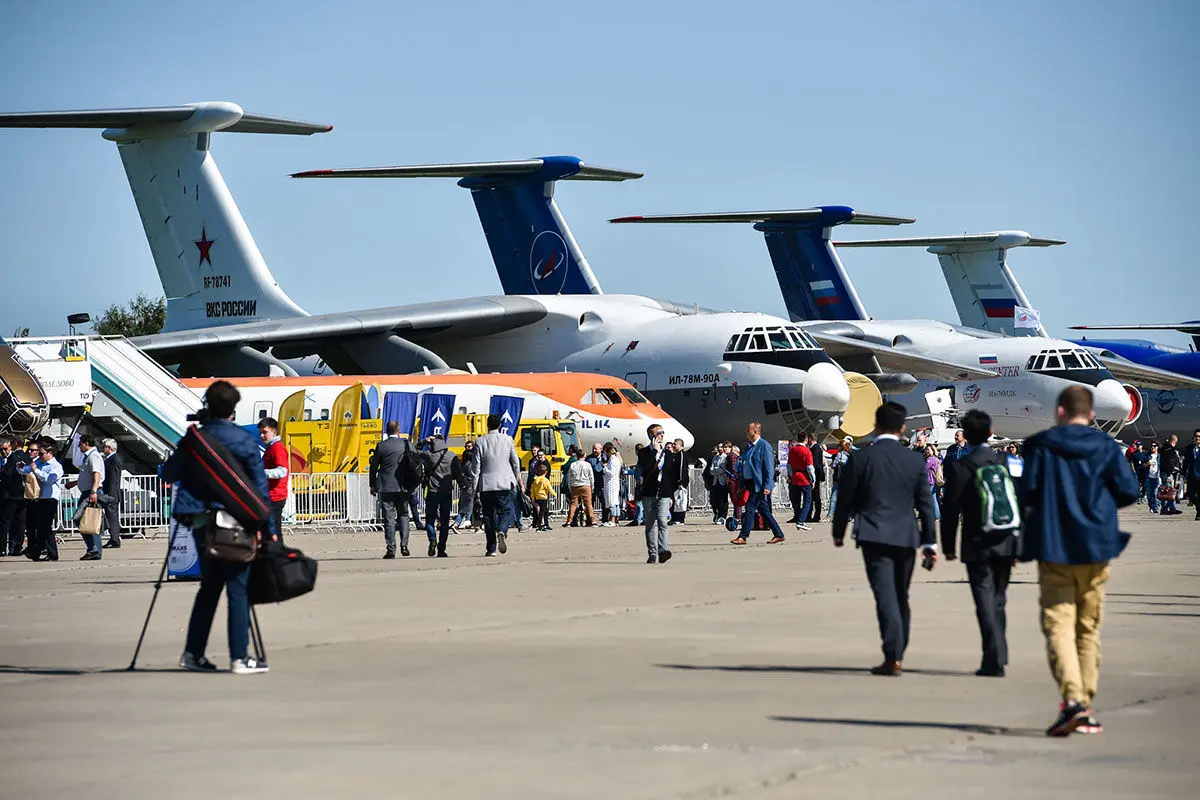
x=1071 y=361
x=758 y=342
x=1053 y=361
x=634 y=396
x=605 y=397
x=780 y=341
x=733 y=340
x=587 y=400
x=1048 y=360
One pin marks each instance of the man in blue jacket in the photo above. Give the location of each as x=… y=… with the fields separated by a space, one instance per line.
x=191 y=503
x=1075 y=479
x=757 y=470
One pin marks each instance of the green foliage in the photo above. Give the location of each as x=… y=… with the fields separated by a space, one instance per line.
x=141 y=316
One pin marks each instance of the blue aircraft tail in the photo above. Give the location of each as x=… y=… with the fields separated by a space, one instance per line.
x=814 y=283
x=532 y=247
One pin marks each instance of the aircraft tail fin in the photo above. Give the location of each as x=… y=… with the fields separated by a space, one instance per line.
x=984 y=289
x=814 y=283
x=210 y=267
x=532 y=247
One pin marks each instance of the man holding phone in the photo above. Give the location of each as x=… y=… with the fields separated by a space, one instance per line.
x=880 y=488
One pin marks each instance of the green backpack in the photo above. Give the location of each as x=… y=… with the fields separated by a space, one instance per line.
x=998 y=504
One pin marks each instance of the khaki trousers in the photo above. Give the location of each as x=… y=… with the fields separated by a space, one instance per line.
x=581 y=494
x=1072 y=598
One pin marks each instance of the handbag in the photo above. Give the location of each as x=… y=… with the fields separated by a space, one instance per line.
x=1166 y=493
x=33 y=489
x=281 y=573
x=526 y=504
x=226 y=540
x=90 y=520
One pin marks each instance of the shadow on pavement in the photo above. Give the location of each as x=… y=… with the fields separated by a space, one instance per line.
x=1161 y=613
x=964 y=727
x=16 y=670
x=813 y=670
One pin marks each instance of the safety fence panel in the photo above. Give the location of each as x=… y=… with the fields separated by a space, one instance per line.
x=145 y=503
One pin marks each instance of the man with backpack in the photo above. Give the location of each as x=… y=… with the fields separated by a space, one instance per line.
x=192 y=502
x=982 y=496
x=1075 y=479
x=442 y=470
x=385 y=478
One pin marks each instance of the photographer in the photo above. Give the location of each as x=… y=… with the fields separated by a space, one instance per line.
x=191 y=505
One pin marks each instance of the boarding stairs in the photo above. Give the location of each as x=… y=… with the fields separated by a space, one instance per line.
x=133 y=399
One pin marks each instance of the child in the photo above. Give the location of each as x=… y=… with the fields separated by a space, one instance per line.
x=540 y=491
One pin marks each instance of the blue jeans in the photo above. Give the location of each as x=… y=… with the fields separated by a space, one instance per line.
x=214 y=576
x=832 y=499
x=759 y=503
x=1152 y=484
x=801 y=503
x=497 y=512
x=937 y=511
x=92 y=541
x=657 y=511
x=1168 y=506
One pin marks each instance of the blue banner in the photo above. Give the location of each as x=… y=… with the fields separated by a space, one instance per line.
x=508 y=409
x=436 y=412
x=400 y=407
x=370 y=402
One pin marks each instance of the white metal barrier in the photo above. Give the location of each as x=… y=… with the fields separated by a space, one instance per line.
x=145 y=503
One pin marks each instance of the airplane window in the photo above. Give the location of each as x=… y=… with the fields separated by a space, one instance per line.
x=1029 y=363
x=1053 y=361
x=324 y=413
x=1071 y=361
x=742 y=340
x=634 y=396
x=733 y=340
x=780 y=341
x=587 y=399
x=307 y=414
x=1041 y=362
x=758 y=342
x=607 y=397
x=770 y=407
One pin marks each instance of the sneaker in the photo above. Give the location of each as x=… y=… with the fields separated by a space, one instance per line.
x=501 y=543
x=193 y=664
x=664 y=556
x=1090 y=725
x=389 y=554
x=802 y=526
x=652 y=559
x=432 y=551
x=247 y=666
x=490 y=554
x=1070 y=717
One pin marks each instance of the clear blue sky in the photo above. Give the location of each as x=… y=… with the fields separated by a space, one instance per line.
x=1075 y=120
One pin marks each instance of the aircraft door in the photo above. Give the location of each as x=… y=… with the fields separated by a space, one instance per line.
x=638 y=379
x=1144 y=424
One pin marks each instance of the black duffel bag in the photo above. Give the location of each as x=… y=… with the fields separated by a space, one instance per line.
x=281 y=573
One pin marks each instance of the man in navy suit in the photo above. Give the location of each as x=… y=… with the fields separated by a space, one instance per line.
x=880 y=488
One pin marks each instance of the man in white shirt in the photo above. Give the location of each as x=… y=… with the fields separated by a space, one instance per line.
x=91 y=479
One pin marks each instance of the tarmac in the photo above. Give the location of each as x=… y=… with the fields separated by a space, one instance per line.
x=569 y=668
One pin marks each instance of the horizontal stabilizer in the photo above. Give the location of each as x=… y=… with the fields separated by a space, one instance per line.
x=996 y=240
x=189 y=118
x=550 y=168
x=817 y=217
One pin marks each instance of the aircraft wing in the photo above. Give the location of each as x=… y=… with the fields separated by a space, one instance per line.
x=1142 y=376
x=894 y=359
x=475 y=316
x=1182 y=327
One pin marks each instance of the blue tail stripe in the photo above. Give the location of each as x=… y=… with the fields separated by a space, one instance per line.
x=812 y=280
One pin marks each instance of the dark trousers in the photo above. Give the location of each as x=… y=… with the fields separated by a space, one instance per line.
x=497 y=511
x=12 y=525
x=31 y=525
x=111 y=506
x=718 y=497
x=437 y=512
x=890 y=571
x=214 y=576
x=759 y=503
x=277 y=515
x=989 y=588
x=801 y=497
x=815 y=516
x=541 y=513
x=45 y=512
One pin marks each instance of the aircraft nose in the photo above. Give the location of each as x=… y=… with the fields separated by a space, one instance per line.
x=1111 y=402
x=825 y=389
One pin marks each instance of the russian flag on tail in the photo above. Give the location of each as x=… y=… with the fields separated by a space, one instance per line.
x=999 y=307
x=824 y=293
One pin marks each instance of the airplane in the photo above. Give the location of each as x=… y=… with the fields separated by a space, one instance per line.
x=988 y=296
x=24 y=409
x=594 y=409
x=1030 y=372
x=227 y=315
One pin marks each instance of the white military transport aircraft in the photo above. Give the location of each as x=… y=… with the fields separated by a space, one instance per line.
x=1031 y=371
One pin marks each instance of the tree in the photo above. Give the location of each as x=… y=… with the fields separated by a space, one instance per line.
x=141 y=316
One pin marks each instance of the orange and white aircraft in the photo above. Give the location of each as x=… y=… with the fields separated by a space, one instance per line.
x=600 y=408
